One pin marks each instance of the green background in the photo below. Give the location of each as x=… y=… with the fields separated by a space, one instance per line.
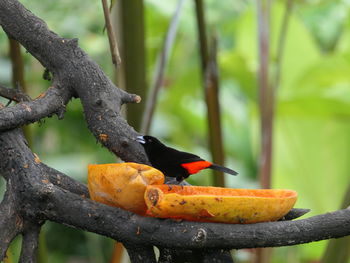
x=311 y=143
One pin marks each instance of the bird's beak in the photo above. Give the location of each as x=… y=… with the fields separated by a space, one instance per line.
x=140 y=139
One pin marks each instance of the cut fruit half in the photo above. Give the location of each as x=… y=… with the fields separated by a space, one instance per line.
x=215 y=204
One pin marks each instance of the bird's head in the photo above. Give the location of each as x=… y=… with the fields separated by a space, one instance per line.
x=152 y=146
x=147 y=140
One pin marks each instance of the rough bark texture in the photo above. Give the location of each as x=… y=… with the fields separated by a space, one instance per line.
x=74 y=74
x=36 y=193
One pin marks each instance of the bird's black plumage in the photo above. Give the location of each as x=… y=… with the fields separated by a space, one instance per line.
x=174 y=163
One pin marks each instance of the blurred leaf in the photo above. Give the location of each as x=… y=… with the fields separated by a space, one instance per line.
x=326 y=21
x=311 y=157
x=235 y=67
x=323 y=90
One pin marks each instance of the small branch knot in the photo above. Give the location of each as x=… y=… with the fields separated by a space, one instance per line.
x=124 y=143
x=73 y=42
x=131 y=98
x=137 y=99
x=98 y=102
x=200 y=236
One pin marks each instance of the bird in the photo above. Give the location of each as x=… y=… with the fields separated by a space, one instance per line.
x=175 y=163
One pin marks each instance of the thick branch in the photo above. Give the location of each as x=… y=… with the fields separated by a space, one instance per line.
x=149 y=231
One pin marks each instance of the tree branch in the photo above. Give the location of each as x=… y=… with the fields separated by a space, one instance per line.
x=131 y=77
x=113 y=45
x=17 y=64
x=65 y=182
x=166 y=255
x=266 y=94
x=30 y=243
x=141 y=254
x=106 y=220
x=13 y=94
x=53 y=101
x=202 y=35
x=162 y=61
x=212 y=98
x=295 y=213
x=73 y=70
x=178 y=256
x=217 y=256
x=10 y=222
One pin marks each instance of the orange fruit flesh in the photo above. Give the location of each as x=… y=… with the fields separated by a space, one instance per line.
x=215 y=204
x=219 y=191
x=122 y=184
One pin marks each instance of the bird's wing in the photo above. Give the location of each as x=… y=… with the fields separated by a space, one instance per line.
x=184 y=157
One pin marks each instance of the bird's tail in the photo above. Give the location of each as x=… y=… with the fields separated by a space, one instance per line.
x=222 y=169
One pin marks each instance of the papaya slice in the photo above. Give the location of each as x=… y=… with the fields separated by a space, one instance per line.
x=122 y=184
x=215 y=204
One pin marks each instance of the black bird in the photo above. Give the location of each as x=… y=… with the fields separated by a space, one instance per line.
x=174 y=163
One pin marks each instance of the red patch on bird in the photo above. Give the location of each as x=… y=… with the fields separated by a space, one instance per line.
x=195 y=167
